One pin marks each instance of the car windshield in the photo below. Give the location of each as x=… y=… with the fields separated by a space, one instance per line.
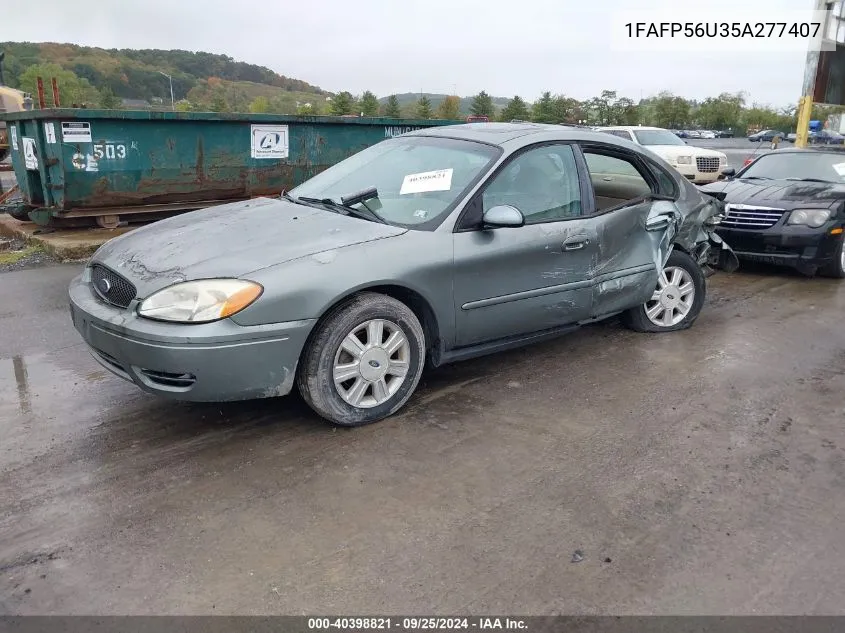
x=419 y=179
x=657 y=137
x=798 y=166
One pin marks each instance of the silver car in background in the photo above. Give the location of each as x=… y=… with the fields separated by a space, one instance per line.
x=439 y=245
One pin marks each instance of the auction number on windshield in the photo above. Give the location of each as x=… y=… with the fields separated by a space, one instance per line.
x=109 y=151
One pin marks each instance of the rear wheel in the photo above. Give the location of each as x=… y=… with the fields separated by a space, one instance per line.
x=364 y=361
x=836 y=267
x=20 y=214
x=677 y=300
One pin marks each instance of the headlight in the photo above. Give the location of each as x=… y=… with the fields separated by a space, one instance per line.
x=200 y=301
x=723 y=160
x=684 y=160
x=809 y=217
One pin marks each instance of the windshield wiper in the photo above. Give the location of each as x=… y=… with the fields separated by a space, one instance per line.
x=346 y=206
x=754 y=178
x=810 y=180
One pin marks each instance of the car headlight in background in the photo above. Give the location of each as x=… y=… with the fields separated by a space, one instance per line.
x=200 y=301
x=809 y=217
x=684 y=160
x=723 y=160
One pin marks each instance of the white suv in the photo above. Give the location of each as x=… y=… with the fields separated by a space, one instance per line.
x=697 y=164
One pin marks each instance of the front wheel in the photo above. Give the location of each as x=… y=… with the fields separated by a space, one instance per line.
x=677 y=300
x=836 y=267
x=363 y=361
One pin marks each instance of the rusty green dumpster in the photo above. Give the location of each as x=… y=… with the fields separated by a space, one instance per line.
x=77 y=165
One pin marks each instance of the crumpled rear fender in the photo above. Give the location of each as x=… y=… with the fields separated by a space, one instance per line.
x=697 y=235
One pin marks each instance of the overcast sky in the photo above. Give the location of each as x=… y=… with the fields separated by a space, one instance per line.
x=387 y=46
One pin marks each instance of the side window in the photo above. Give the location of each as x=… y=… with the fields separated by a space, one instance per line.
x=542 y=183
x=665 y=183
x=615 y=180
x=621 y=134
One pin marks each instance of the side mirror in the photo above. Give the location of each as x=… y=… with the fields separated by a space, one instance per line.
x=503 y=215
x=729 y=172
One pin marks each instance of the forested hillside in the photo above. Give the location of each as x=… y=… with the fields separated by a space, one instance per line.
x=105 y=77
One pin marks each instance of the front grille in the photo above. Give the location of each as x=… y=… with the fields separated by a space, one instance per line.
x=111 y=287
x=707 y=164
x=742 y=216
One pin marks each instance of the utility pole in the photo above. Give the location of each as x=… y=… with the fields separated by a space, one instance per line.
x=170 y=79
x=805 y=103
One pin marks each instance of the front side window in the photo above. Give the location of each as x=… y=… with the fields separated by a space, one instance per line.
x=418 y=178
x=542 y=183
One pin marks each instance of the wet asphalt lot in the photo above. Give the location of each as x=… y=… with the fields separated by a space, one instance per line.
x=699 y=472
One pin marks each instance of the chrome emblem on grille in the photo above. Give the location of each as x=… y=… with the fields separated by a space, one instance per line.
x=104 y=285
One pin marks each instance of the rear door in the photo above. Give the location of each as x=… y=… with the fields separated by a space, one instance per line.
x=634 y=233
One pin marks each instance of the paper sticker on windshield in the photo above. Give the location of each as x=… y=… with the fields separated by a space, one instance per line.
x=840 y=168
x=440 y=180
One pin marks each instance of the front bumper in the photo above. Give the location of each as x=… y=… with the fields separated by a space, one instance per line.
x=691 y=172
x=210 y=362
x=803 y=248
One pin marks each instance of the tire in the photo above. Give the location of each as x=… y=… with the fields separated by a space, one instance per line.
x=836 y=268
x=22 y=216
x=371 y=383
x=684 y=270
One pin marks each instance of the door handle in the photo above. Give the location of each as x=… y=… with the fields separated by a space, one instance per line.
x=658 y=223
x=574 y=243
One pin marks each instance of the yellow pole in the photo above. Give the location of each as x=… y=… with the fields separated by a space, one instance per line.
x=805 y=111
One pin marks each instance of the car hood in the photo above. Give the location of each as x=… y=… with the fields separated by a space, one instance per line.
x=231 y=240
x=673 y=151
x=780 y=193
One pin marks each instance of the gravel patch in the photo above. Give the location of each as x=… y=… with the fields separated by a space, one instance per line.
x=16 y=254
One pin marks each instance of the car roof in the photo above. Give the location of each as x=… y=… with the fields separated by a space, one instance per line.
x=495 y=133
x=630 y=128
x=502 y=133
x=805 y=150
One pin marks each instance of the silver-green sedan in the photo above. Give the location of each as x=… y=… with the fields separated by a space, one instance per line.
x=438 y=245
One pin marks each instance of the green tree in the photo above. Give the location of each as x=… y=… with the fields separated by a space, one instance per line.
x=566 y=110
x=369 y=104
x=449 y=108
x=482 y=105
x=601 y=108
x=218 y=103
x=423 y=109
x=670 y=111
x=543 y=109
x=764 y=117
x=626 y=112
x=259 y=105
x=72 y=89
x=308 y=109
x=391 y=108
x=343 y=103
x=722 y=112
x=515 y=109
x=108 y=100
